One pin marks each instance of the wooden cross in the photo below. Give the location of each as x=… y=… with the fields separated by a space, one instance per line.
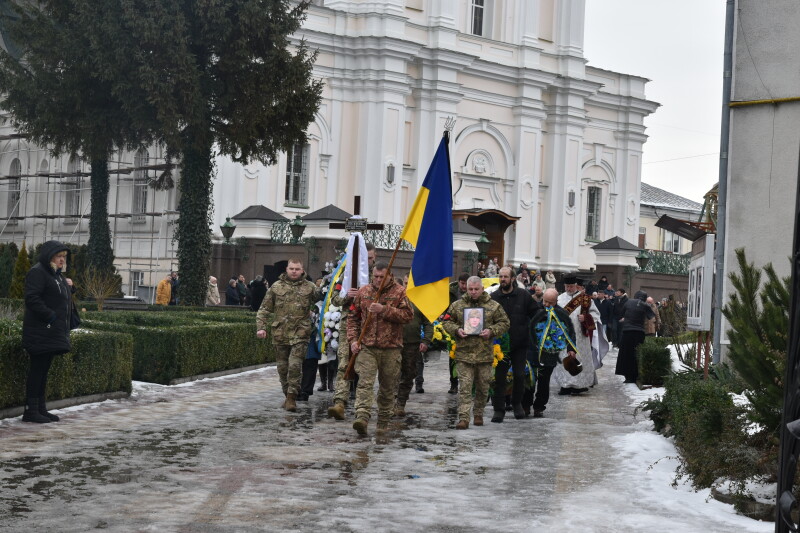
x=355 y=225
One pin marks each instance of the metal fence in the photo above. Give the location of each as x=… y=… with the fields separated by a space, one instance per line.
x=386 y=238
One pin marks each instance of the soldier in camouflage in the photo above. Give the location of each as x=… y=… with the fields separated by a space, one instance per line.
x=474 y=353
x=379 y=349
x=288 y=303
x=342 y=393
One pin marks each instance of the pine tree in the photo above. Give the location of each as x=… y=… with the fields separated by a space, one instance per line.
x=21 y=267
x=759 y=337
x=6 y=269
x=220 y=76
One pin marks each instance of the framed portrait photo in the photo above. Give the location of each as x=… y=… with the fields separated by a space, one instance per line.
x=473 y=320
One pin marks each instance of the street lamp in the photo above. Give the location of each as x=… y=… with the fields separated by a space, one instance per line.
x=227 y=229
x=483 y=245
x=642 y=259
x=298 y=227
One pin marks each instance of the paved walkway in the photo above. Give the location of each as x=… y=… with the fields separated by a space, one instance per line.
x=221 y=456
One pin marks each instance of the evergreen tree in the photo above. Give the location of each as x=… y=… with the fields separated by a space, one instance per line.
x=21 y=267
x=56 y=99
x=211 y=75
x=759 y=337
x=6 y=269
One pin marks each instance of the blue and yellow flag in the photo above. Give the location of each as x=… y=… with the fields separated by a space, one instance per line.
x=429 y=229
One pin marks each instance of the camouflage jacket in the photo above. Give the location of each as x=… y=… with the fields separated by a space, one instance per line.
x=474 y=349
x=289 y=302
x=419 y=329
x=384 y=330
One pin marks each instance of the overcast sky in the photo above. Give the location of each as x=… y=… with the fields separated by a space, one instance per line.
x=679 y=46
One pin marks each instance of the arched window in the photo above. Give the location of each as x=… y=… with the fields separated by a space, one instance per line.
x=140 y=180
x=14 y=188
x=72 y=189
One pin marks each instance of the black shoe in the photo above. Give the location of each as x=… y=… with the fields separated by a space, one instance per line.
x=538 y=414
x=519 y=412
x=322 y=388
x=565 y=391
x=579 y=391
x=498 y=416
x=302 y=397
x=420 y=390
x=32 y=414
x=44 y=412
x=453 y=389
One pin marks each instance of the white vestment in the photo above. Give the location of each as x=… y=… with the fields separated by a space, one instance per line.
x=590 y=354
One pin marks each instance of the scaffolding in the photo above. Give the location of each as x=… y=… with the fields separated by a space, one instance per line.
x=45 y=203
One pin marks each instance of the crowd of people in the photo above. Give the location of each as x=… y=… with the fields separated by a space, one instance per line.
x=540 y=333
x=509 y=340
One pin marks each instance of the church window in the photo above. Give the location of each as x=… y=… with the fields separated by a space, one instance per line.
x=593 y=213
x=72 y=189
x=478 y=10
x=297 y=175
x=139 y=206
x=14 y=188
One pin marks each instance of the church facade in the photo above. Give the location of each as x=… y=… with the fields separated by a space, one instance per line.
x=546 y=151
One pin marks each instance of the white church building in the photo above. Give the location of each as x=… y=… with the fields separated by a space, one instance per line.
x=546 y=152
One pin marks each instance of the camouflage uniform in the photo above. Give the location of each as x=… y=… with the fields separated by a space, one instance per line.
x=419 y=330
x=289 y=302
x=474 y=355
x=342 y=393
x=380 y=347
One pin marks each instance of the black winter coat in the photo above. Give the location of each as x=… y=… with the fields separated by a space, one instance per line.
x=45 y=326
x=520 y=307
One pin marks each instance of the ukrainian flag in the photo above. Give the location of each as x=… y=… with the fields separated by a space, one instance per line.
x=429 y=229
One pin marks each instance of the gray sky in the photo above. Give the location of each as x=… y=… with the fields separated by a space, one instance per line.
x=679 y=46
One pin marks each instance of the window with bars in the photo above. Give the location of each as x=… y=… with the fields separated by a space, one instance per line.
x=14 y=189
x=139 y=206
x=297 y=175
x=478 y=12
x=593 y=196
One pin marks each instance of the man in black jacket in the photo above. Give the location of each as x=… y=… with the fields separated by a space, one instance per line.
x=552 y=334
x=620 y=298
x=520 y=307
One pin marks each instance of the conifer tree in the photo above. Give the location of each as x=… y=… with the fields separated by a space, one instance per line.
x=759 y=320
x=21 y=267
x=6 y=269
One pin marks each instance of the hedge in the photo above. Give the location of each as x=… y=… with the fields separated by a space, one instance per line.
x=99 y=362
x=655 y=360
x=176 y=349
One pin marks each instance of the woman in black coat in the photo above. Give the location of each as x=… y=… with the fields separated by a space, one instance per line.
x=46 y=325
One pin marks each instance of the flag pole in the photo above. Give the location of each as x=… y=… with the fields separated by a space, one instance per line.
x=349 y=373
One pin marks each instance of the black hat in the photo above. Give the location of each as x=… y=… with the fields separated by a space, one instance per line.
x=572 y=278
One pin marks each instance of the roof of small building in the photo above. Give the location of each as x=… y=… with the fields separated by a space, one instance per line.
x=655 y=197
x=329 y=212
x=615 y=243
x=259 y=212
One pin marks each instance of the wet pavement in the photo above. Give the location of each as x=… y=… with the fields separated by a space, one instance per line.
x=222 y=456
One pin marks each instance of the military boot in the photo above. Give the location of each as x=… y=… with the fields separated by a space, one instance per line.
x=400 y=410
x=291 y=402
x=383 y=426
x=462 y=424
x=478 y=421
x=336 y=411
x=360 y=425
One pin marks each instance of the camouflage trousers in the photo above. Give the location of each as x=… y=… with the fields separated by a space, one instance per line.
x=342 y=393
x=385 y=364
x=408 y=371
x=290 y=365
x=479 y=374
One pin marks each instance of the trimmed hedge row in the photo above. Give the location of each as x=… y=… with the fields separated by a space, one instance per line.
x=177 y=350
x=99 y=362
x=655 y=360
